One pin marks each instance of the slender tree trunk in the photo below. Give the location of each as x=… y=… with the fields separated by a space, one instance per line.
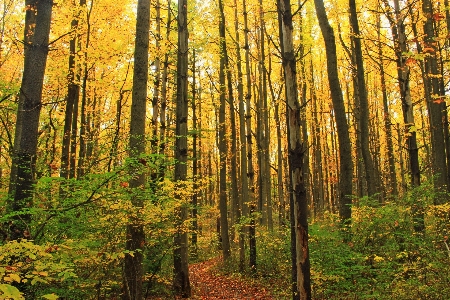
x=363 y=101
x=244 y=196
x=163 y=106
x=133 y=267
x=250 y=206
x=403 y=76
x=72 y=101
x=345 y=155
x=392 y=178
x=157 y=82
x=84 y=129
x=222 y=141
x=181 y=282
x=36 y=39
x=232 y=155
x=195 y=160
x=436 y=103
x=279 y=169
x=296 y=154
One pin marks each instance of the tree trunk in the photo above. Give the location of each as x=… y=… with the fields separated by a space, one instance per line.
x=363 y=102
x=36 y=39
x=163 y=106
x=133 y=267
x=72 y=100
x=296 y=154
x=244 y=196
x=392 y=178
x=250 y=206
x=345 y=155
x=223 y=149
x=195 y=161
x=181 y=282
x=435 y=103
x=84 y=129
x=403 y=76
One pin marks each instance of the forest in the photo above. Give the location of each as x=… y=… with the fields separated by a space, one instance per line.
x=224 y=149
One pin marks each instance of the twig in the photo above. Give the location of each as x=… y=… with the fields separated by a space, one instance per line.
x=448 y=249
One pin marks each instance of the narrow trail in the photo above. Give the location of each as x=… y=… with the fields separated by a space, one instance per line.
x=209 y=285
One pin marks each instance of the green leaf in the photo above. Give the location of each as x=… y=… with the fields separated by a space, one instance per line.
x=50 y=296
x=9 y=291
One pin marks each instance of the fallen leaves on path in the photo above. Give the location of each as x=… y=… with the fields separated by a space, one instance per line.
x=207 y=284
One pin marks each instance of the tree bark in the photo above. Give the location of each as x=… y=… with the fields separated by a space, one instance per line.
x=435 y=103
x=392 y=178
x=296 y=154
x=195 y=160
x=363 y=102
x=345 y=155
x=135 y=241
x=73 y=93
x=244 y=196
x=36 y=41
x=250 y=206
x=223 y=148
x=403 y=77
x=181 y=282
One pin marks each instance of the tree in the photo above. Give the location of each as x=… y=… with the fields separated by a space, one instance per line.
x=435 y=100
x=181 y=283
x=363 y=101
x=296 y=153
x=345 y=155
x=36 y=46
x=397 y=21
x=249 y=207
x=73 y=93
x=244 y=196
x=133 y=268
x=225 y=240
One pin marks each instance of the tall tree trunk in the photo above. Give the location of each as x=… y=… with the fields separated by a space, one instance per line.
x=403 y=77
x=223 y=149
x=36 y=39
x=345 y=155
x=296 y=153
x=133 y=267
x=84 y=129
x=71 y=103
x=436 y=103
x=363 y=101
x=392 y=178
x=279 y=169
x=157 y=82
x=232 y=155
x=265 y=130
x=181 y=282
x=194 y=160
x=250 y=206
x=163 y=106
x=244 y=196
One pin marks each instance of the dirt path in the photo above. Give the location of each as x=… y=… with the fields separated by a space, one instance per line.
x=206 y=284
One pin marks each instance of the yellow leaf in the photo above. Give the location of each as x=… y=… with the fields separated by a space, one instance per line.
x=43 y=273
x=14 y=277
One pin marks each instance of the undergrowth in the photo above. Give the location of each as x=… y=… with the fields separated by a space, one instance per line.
x=386 y=258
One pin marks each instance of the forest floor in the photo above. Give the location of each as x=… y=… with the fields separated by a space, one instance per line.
x=207 y=283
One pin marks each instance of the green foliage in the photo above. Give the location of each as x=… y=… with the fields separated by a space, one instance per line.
x=79 y=232
x=386 y=259
x=31 y=268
